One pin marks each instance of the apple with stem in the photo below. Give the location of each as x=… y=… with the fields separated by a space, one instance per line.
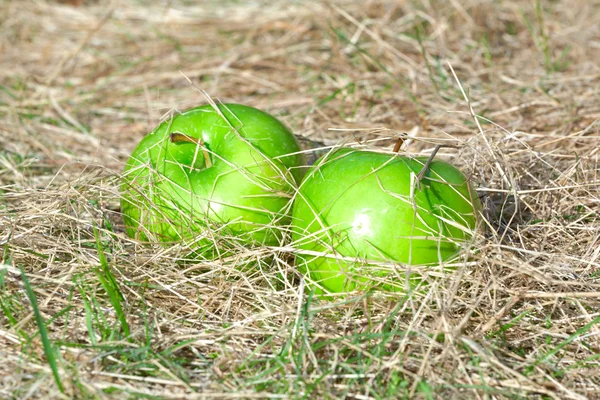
x=213 y=177
x=365 y=219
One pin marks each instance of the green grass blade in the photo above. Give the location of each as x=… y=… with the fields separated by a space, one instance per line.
x=48 y=347
x=89 y=313
x=109 y=283
x=568 y=340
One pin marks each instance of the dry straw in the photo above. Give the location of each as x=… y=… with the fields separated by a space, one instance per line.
x=513 y=85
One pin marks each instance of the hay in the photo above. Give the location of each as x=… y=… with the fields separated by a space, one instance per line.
x=82 y=82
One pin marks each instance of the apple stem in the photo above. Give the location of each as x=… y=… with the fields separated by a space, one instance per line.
x=398 y=145
x=177 y=137
x=423 y=171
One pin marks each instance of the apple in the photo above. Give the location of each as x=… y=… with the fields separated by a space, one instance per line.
x=212 y=177
x=359 y=214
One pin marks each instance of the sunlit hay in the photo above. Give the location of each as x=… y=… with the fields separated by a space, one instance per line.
x=514 y=317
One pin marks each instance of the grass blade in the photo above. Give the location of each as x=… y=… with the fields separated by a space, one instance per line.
x=39 y=320
x=568 y=340
x=109 y=283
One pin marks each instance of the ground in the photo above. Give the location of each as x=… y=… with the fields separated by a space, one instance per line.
x=89 y=313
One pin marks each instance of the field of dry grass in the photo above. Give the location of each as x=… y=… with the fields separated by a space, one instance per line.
x=87 y=312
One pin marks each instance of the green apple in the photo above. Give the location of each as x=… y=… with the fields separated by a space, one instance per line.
x=358 y=215
x=212 y=177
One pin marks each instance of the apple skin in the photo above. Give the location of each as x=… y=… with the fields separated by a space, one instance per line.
x=244 y=197
x=357 y=204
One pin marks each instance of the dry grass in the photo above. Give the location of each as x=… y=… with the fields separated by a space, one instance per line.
x=81 y=84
